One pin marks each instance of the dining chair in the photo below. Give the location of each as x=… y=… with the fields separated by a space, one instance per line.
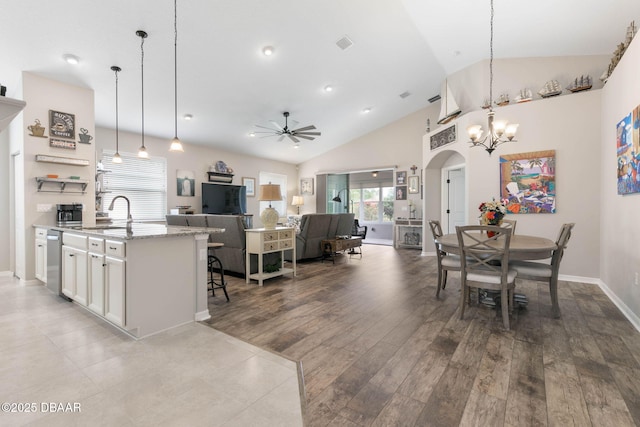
x=445 y=262
x=548 y=273
x=484 y=263
x=510 y=223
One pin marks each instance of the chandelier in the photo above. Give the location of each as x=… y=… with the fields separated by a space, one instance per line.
x=500 y=131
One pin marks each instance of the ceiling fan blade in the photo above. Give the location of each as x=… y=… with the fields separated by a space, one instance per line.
x=276 y=125
x=281 y=137
x=311 y=127
x=293 y=138
x=307 y=133
x=264 y=127
x=310 y=138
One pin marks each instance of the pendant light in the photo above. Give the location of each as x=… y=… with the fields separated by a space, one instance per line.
x=116 y=157
x=176 y=145
x=142 y=151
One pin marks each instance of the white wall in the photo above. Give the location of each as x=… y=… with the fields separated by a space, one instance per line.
x=399 y=144
x=198 y=158
x=568 y=124
x=619 y=224
x=4 y=201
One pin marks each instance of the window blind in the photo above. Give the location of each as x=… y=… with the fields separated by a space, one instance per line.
x=142 y=181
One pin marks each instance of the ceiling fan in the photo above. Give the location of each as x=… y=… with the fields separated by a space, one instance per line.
x=292 y=134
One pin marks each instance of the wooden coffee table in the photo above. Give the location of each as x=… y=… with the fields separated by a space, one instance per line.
x=331 y=246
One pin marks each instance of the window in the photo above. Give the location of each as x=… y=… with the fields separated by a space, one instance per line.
x=372 y=204
x=281 y=180
x=142 y=181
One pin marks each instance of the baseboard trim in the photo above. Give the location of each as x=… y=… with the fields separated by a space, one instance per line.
x=630 y=315
x=202 y=315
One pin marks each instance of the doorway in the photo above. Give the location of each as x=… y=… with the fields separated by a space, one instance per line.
x=454 y=196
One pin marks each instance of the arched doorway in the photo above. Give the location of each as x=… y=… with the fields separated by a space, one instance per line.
x=445 y=190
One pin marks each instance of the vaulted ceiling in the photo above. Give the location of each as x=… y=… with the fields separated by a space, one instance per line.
x=229 y=86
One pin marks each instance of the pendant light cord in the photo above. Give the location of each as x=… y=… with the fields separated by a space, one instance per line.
x=117 y=144
x=142 y=37
x=491 y=62
x=175 y=64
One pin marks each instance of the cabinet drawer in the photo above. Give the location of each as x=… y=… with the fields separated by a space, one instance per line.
x=41 y=233
x=74 y=240
x=96 y=245
x=270 y=246
x=115 y=248
x=286 y=234
x=285 y=244
x=270 y=235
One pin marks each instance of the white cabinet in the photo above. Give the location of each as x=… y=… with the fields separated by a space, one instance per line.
x=407 y=233
x=74 y=267
x=96 y=282
x=41 y=254
x=115 y=290
x=262 y=241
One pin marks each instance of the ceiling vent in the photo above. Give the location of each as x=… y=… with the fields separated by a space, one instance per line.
x=344 y=43
x=434 y=99
x=404 y=94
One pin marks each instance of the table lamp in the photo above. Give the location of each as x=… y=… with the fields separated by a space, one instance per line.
x=297 y=201
x=268 y=193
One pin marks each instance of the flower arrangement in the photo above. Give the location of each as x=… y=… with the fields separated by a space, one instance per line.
x=491 y=213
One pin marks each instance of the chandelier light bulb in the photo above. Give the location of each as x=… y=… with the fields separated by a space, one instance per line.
x=142 y=153
x=499 y=127
x=510 y=131
x=116 y=158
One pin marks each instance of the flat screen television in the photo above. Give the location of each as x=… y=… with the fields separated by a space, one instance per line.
x=224 y=199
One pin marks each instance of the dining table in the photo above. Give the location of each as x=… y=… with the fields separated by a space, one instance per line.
x=521 y=247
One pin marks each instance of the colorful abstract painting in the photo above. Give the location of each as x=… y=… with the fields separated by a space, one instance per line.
x=528 y=182
x=628 y=151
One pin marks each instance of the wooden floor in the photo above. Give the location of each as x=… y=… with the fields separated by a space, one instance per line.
x=377 y=348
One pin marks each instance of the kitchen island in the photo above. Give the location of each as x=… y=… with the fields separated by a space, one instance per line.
x=143 y=279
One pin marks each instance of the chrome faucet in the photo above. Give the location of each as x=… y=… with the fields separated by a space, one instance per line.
x=129 y=219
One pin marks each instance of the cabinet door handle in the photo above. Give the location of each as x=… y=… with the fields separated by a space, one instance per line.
x=104 y=265
x=112 y=248
x=70 y=255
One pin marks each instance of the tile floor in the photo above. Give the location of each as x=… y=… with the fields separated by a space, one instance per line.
x=52 y=351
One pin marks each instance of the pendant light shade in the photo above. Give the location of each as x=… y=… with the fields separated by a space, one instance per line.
x=176 y=145
x=142 y=151
x=116 y=157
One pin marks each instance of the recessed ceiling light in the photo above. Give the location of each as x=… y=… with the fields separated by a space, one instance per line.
x=188 y=116
x=252 y=134
x=367 y=110
x=296 y=146
x=71 y=59
x=328 y=88
x=268 y=50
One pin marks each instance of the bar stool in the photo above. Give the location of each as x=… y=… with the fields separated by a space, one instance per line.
x=213 y=264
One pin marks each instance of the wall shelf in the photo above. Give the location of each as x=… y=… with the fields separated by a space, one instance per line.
x=62 y=183
x=220 y=177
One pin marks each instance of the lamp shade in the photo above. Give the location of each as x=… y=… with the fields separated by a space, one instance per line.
x=270 y=192
x=297 y=201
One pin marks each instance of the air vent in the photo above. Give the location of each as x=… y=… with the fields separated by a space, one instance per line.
x=404 y=94
x=344 y=43
x=434 y=99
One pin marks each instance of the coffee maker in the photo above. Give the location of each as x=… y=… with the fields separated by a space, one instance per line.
x=69 y=214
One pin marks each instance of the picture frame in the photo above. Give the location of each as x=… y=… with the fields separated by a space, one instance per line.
x=444 y=137
x=414 y=184
x=401 y=178
x=62 y=125
x=186 y=183
x=528 y=182
x=306 y=186
x=250 y=184
x=401 y=192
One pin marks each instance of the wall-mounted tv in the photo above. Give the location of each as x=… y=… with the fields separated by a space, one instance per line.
x=224 y=198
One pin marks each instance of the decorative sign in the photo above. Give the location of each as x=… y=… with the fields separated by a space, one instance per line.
x=62 y=160
x=62 y=143
x=444 y=137
x=528 y=182
x=62 y=125
x=84 y=136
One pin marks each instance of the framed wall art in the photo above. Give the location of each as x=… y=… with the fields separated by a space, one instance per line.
x=444 y=137
x=250 y=184
x=306 y=186
x=401 y=192
x=401 y=178
x=186 y=182
x=628 y=153
x=62 y=125
x=528 y=182
x=414 y=184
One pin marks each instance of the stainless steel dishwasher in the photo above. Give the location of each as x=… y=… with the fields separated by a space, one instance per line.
x=54 y=261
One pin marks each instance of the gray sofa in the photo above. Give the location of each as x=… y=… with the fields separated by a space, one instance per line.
x=316 y=227
x=232 y=254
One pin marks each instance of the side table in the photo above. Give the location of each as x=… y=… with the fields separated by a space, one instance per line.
x=261 y=241
x=331 y=246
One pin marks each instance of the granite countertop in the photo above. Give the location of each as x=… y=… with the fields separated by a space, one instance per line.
x=138 y=230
